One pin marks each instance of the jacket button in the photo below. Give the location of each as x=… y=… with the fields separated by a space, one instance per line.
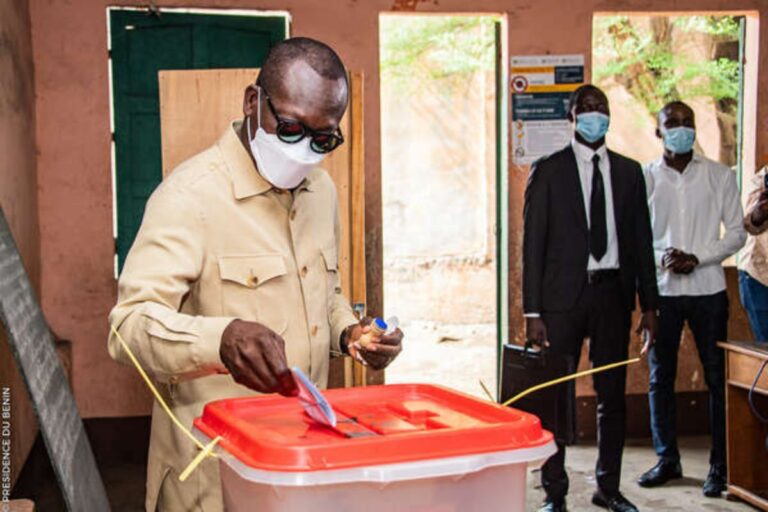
x=293 y=214
x=304 y=271
x=253 y=281
x=314 y=330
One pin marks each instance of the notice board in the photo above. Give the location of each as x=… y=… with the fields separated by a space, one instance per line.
x=541 y=86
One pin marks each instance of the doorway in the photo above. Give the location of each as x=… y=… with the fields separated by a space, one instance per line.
x=440 y=129
x=644 y=61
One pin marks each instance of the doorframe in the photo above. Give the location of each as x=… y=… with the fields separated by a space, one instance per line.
x=502 y=194
x=501 y=227
x=207 y=11
x=749 y=160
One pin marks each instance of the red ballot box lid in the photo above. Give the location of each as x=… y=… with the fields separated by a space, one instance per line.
x=376 y=425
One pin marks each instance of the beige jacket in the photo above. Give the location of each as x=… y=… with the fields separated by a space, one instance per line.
x=753 y=258
x=217 y=243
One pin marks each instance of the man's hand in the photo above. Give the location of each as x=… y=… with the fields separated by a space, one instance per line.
x=678 y=261
x=382 y=350
x=255 y=357
x=689 y=263
x=536 y=330
x=647 y=328
x=760 y=210
x=670 y=259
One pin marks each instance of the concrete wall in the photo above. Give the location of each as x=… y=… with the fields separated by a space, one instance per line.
x=75 y=211
x=439 y=196
x=18 y=194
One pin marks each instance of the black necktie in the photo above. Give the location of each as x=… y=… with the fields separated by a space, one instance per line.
x=598 y=233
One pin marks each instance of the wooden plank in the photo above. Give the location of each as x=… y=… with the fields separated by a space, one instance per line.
x=745 y=433
x=357 y=193
x=746 y=451
x=361 y=375
x=742 y=370
x=746 y=387
x=746 y=347
x=19 y=506
x=336 y=374
x=337 y=164
x=749 y=497
x=196 y=106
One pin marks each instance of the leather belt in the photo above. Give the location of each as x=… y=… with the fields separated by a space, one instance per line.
x=598 y=276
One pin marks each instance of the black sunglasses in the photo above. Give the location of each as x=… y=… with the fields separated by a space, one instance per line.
x=291 y=132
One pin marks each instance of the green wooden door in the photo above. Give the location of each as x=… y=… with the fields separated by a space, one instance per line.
x=142 y=45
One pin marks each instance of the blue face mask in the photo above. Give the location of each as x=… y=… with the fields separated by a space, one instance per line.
x=679 y=140
x=592 y=125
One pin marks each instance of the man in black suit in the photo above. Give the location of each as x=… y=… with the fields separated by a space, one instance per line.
x=587 y=250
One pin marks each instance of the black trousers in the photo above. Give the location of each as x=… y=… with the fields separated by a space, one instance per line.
x=707 y=316
x=600 y=314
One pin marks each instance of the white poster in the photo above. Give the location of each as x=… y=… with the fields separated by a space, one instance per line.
x=540 y=87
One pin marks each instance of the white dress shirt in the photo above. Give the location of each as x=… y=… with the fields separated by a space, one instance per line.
x=687 y=210
x=584 y=154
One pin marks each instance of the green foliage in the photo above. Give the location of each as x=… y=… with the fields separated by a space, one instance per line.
x=640 y=54
x=726 y=27
x=722 y=75
x=435 y=46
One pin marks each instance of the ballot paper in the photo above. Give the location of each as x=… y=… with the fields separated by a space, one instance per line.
x=392 y=324
x=313 y=401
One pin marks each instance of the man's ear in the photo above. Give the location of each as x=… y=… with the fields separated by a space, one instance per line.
x=250 y=100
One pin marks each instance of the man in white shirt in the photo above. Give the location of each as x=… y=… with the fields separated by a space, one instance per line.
x=689 y=198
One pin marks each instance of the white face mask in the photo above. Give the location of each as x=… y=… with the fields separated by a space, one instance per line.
x=283 y=165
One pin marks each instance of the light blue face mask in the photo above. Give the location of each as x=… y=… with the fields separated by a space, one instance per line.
x=679 y=140
x=592 y=125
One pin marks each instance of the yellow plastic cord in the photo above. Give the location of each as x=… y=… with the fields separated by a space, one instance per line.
x=205 y=450
x=573 y=376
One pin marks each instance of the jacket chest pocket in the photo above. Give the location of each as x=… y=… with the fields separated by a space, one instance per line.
x=256 y=288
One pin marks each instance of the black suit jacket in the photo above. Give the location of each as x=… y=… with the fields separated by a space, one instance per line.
x=556 y=236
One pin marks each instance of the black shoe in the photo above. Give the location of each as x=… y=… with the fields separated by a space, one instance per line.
x=615 y=503
x=660 y=474
x=715 y=485
x=554 y=506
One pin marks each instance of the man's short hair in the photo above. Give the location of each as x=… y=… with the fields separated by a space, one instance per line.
x=581 y=91
x=319 y=56
x=674 y=103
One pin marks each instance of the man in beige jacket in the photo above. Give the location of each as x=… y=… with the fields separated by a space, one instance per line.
x=233 y=277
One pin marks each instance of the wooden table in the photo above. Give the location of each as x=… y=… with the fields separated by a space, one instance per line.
x=747 y=435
